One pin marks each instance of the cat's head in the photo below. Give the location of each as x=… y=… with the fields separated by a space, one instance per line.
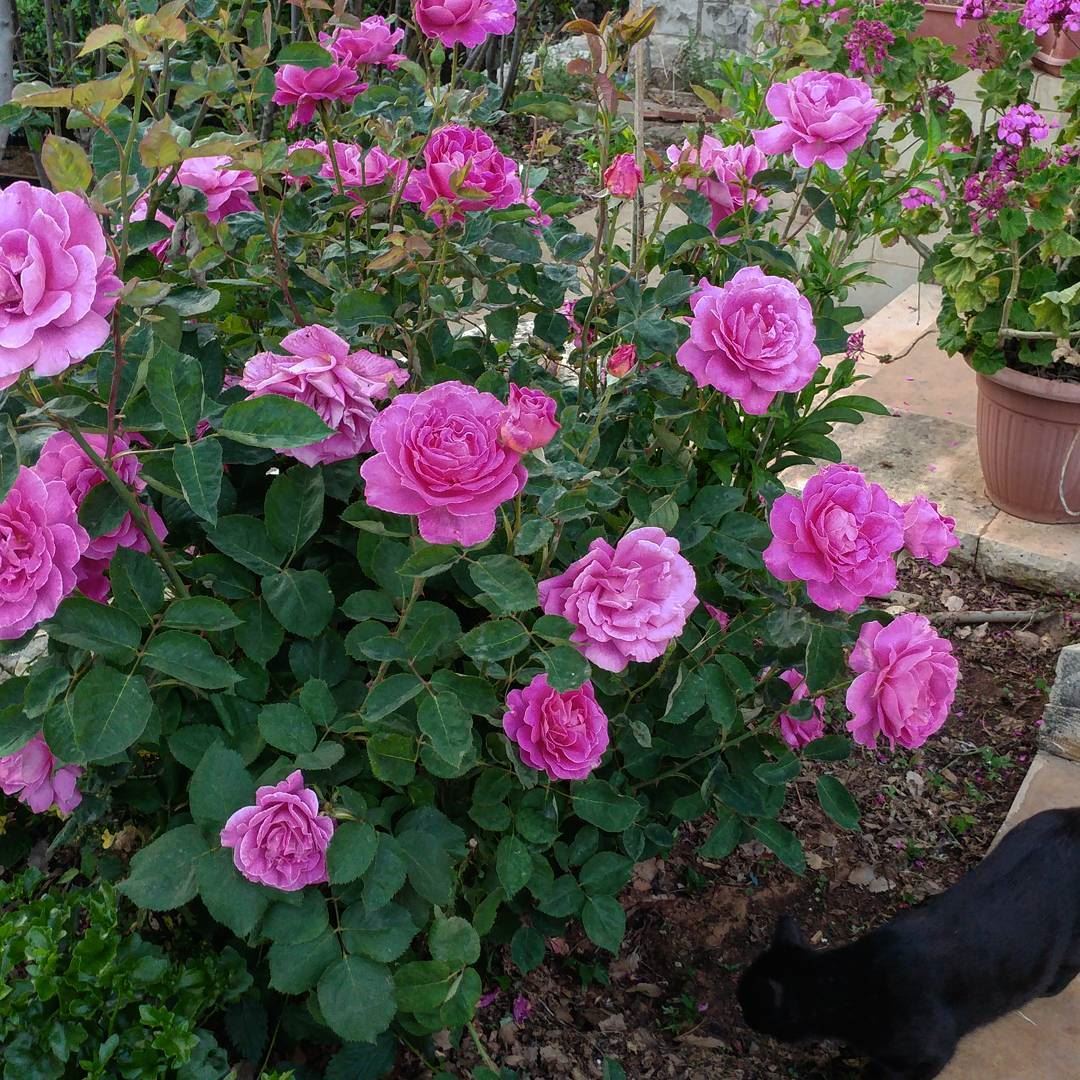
x=767 y=993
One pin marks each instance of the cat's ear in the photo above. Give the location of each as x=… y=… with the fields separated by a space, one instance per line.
x=787 y=932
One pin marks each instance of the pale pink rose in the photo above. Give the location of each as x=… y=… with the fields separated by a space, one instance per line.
x=439 y=456
x=839 y=537
x=906 y=678
x=372 y=42
x=226 y=189
x=57 y=283
x=38 y=779
x=627 y=602
x=928 y=534
x=306 y=88
x=719 y=616
x=160 y=250
x=562 y=733
x=797 y=733
x=726 y=175
x=622 y=361
x=465 y=22
x=529 y=422
x=281 y=841
x=822 y=116
x=62 y=459
x=341 y=386
x=42 y=544
x=463 y=171
x=623 y=176
x=751 y=338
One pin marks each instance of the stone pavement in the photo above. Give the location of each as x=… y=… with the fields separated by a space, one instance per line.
x=928 y=446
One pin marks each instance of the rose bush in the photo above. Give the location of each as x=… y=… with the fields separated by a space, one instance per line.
x=410 y=563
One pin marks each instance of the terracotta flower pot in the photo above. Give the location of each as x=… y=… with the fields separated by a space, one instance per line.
x=1056 y=49
x=1029 y=445
x=939 y=20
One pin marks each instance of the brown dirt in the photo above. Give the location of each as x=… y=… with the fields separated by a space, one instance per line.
x=668 y=1007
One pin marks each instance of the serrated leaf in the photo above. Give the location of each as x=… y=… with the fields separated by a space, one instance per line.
x=837 y=802
x=199 y=470
x=446 y=724
x=273 y=422
x=506 y=581
x=219 y=785
x=294 y=508
x=351 y=851
x=175 y=383
x=300 y=600
x=200 y=613
x=604 y=921
x=357 y=998
x=190 y=659
x=107 y=712
x=163 y=874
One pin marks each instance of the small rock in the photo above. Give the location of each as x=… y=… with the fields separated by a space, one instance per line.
x=880 y=885
x=862 y=875
x=953 y=602
x=814 y=860
x=1028 y=639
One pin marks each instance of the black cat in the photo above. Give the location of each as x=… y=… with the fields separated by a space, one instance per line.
x=1007 y=932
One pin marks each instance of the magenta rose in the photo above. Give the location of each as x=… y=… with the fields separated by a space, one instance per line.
x=226 y=189
x=719 y=616
x=623 y=176
x=750 y=338
x=281 y=841
x=562 y=733
x=341 y=386
x=463 y=171
x=360 y=169
x=627 y=602
x=622 y=361
x=905 y=682
x=306 y=88
x=57 y=284
x=727 y=172
x=38 y=780
x=62 y=459
x=304 y=144
x=928 y=534
x=42 y=545
x=372 y=42
x=529 y=422
x=822 y=116
x=839 y=537
x=464 y=22
x=160 y=250
x=439 y=456
x=797 y=733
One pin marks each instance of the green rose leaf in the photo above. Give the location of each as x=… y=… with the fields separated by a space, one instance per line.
x=445 y=722
x=296 y=923
x=163 y=874
x=219 y=785
x=138 y=588
x=824 y=659
x=428 y=560
x=497 y=639
x=189 y=659
x=513 y=864
x=423 y=985
x=175 y=384
x=108 y=711
x=837 y=802
x=300 y=600
x=604 y=921
x=605 y=873
x=244 y=539
x=566 y=668
x=295 y=969
x=351 y=851
x=99 y=628
x=199 y=470
x=427 y=865
x=389 y=695
x=527 y=949
x=287 y=727
x=598 y=803
x=454 y=942
x=782 y=842
x=259 y=634
x=383 y=933
x=273 y=422
x=200 y=613
x=232 y=900
x=305 y=54
x=356 y=997
x=506 y=581
x=294 y=508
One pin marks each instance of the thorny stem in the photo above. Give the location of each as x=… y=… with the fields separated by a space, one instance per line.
x=484 y=1055
x=331 y=151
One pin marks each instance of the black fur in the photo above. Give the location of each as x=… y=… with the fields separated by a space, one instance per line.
x=1007 y=932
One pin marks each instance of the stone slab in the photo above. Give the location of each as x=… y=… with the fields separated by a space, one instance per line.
x=1041 y=557
x=1041 y=1041
x=928 y=382
x=917 y=455
x=1060 y=731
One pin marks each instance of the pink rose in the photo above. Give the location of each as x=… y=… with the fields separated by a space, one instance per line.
x=160 y=250
x=305 y=88
x=360 y=169
x=720 y=617
x=341 y=386
x=839 y=537
x=62 y=459
x=42 y=544
x=797 y=733
x=622 y=360
x=627 y=602
x=568 y=310
x=281 y=841
x=439 y=457
x=57 y=284
x=463 y=170
x=727 y=171
x=751 y=338
x=563 y=733
x=304 y=144
x=623 y=176
x=823 y=117
x=38 y=779
x=372 y=42
x=539 y=219
x=928 y=534
x=226 y=189
x=464 y=22
x=529 y=422
x=905 y=682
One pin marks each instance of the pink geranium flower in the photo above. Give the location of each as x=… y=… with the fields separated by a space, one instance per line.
x=465 y=22
x=226 y=189
x=38 y=780
x=306 y=88
x=342 y=386
x=627 y=602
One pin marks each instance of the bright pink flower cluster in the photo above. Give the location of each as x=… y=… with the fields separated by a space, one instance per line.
x=822 y=116
x=867 y=44
x=307 y=88
x=372 y=42
x=281 y=841
x=34 y=775
x=976 y=10
x=63 y=459
x=57 y=283
x=226 y=189
x=989 y=192
x=341 y=386
x=1022 y=125
x=622 y=177
x=463 y=171
x=465 y=22
x=906 y=678
x=562 y=733
x=750 y=338
x=797 y=733
x=917 y=197
x=723 y=175
x=1040 y=16
x=627 y=602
